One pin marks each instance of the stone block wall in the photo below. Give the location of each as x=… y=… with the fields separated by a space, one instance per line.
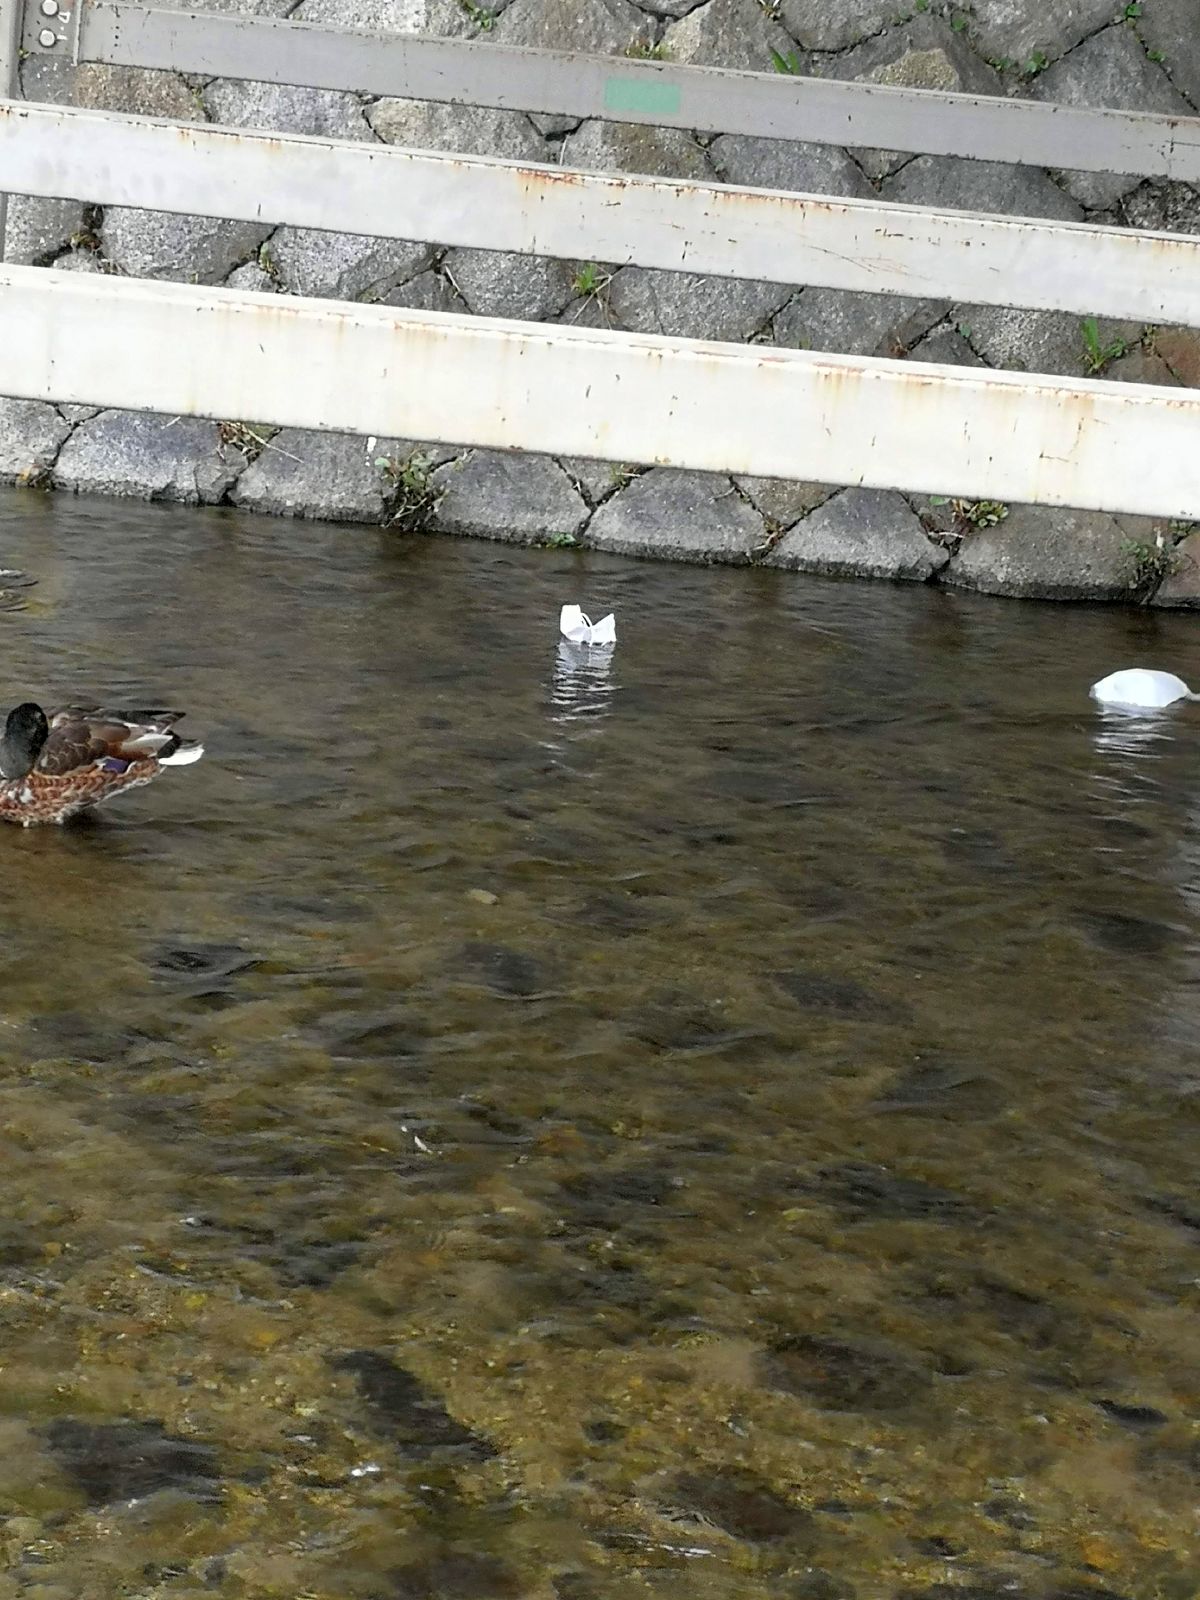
x=1144 y=55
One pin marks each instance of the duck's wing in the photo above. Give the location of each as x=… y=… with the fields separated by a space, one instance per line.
x=156 y=721
x=93 y=736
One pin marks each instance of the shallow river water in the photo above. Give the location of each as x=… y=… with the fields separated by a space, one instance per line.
x=719 y=1124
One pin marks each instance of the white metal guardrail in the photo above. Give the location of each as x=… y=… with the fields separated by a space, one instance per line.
x=326 y=364
x=710 y=99
x=717 y=229
x=687 y=403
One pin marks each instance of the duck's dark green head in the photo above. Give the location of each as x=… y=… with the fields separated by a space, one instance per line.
x=25 y=732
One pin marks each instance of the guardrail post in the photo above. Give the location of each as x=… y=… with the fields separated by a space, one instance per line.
x=11 y=16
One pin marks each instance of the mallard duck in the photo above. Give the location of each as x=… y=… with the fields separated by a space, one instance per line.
x=52 y=767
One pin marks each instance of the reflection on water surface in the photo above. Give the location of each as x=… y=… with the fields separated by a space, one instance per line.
x=714 y=1121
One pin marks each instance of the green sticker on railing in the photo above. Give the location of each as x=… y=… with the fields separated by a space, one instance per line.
x=642 y=94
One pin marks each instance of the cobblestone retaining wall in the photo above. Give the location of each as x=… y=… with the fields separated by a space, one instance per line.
x=1081 y=52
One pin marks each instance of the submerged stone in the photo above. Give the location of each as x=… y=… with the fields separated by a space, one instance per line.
x=685 y=1023
x=577 y=1586
x=371 y=1036
x=838 y=997
x=861 y=1192
x=83 y=1037
x=456 y=1575
x=403 y=1410
x=602 y=1430
x=597 y=1290
x=817 y=1584
x=115 y=1461
x=205 y=973
x=205 y=960
x=836 y=1375
x=1132 y=1416
x=311 y=1263
x=604 y=1198
x=952 y=1087
x=1011 y=1310
x=1183 y=1212
x=741 y=1505
x=20 y=1245
x=979 y=849
x=509 y=972
x=1127 y=935
x=1004 y=1588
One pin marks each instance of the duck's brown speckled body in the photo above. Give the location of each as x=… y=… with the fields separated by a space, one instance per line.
x=53 y=767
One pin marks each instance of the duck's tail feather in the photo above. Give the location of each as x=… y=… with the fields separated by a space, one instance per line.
x=185 y=752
